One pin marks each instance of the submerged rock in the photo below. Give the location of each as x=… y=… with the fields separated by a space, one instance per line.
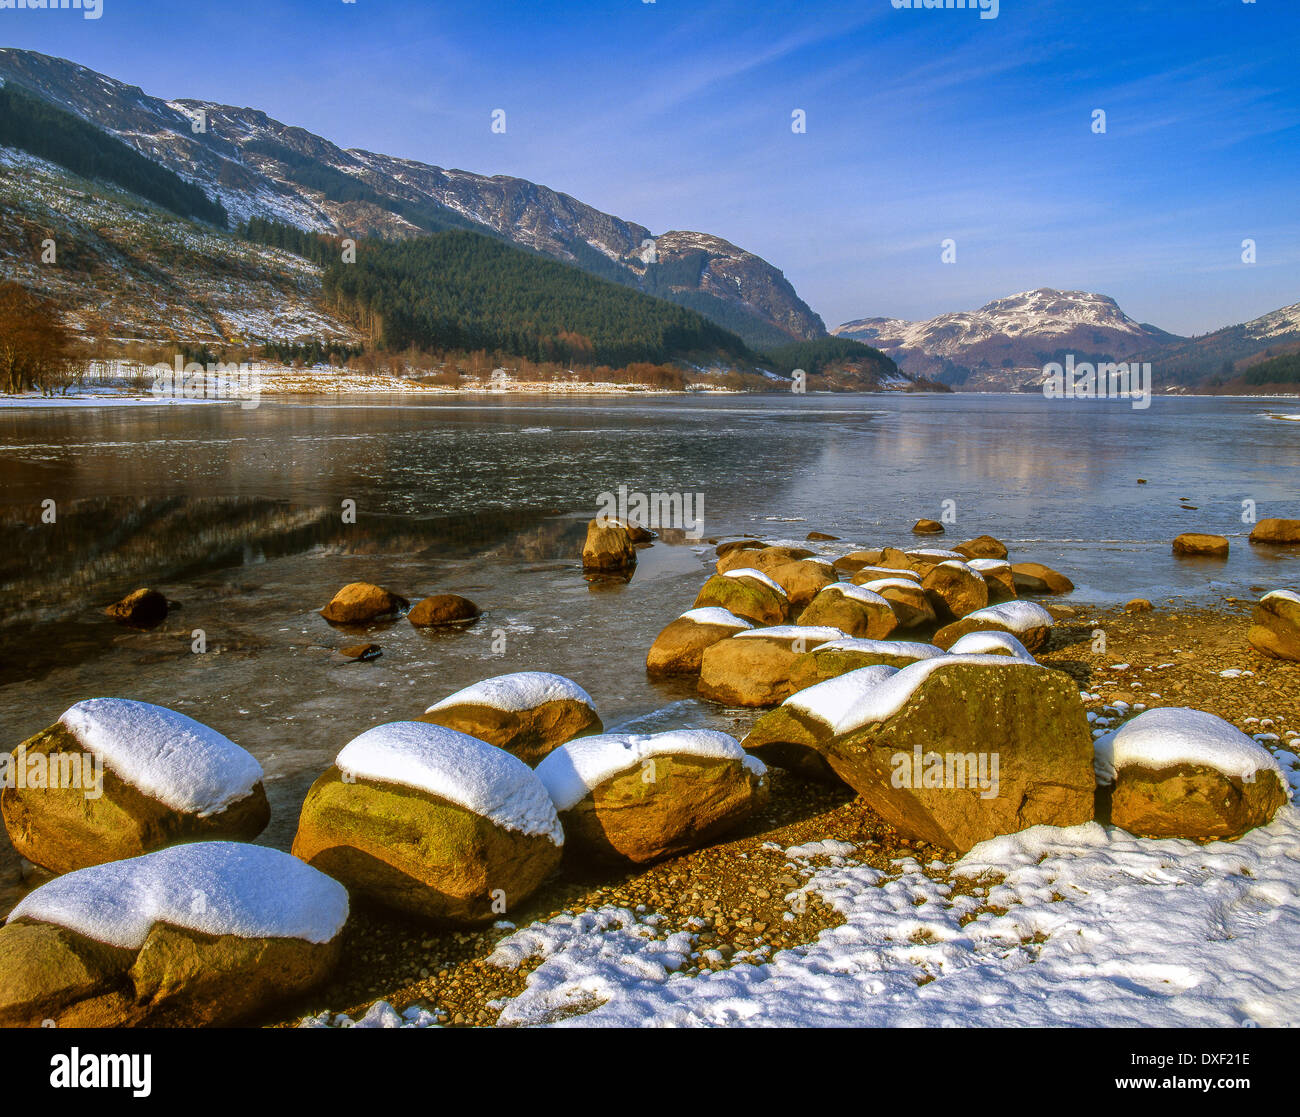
x=927 y=527
x=144 y=608
x=361 y=603
x=1276 y=531
x=1194 y=544
x=443 y=609
x=608 y=548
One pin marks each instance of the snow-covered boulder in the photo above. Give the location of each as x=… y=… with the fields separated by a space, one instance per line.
x=803 y=579
x=1179 y=773
x=361 y=603
x=114 y=778
x=608 y=547
x=855 y=610
x=208 y=933
x=1275 y=630
x=991 y=643
x=982 y=547
x=766 y=558
x=678 y=649
x=1027 y=621
x=748 y=593
x=791 y=736
x=998 y=576
x=528 y=713
x=905 y=596
x=1034 y=577
x=954 y=589
x=951 y=750
x=922 y=558
x=642 y=798
x=431 y=822
x=755 y=667
x=839 y=657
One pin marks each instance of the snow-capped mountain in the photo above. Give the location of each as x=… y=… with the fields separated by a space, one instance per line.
x=1019 y=332
x=1224 y=354
x=257 y=166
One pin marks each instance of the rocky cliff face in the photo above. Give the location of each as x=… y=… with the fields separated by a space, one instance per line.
x=257 y=166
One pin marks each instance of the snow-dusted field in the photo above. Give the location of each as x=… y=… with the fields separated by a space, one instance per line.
x=1050 y=927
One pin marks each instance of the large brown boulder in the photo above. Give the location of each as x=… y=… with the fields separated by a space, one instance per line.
x=747 y=593
x=982 y=547
x=1276 y=531
x=113 y=779
x=998 y=577
x=803 y=580
x=1179 y=773
x=1196 y=545
x=754 y=668
x=954 y=590
x=443 y=609
x=852 y=609
x=1276 y=627
x=431 y=822
x=1035 y=578
x=789 y=737
x=210 y=933
x=361 y=603
x=608 y=547
x=680 y=647
x=906 y=597
x=528 y=713
x=927 y=527
x=1027 y=621
x=923 y=558
x=629 y=798
x=957 y=750
x=766 y=559
x=839 y=657
x=142 y=609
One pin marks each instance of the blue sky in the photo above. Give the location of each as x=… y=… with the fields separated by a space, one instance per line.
x=921 y=125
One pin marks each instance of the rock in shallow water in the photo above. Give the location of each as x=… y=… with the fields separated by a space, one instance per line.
x=361 y=603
